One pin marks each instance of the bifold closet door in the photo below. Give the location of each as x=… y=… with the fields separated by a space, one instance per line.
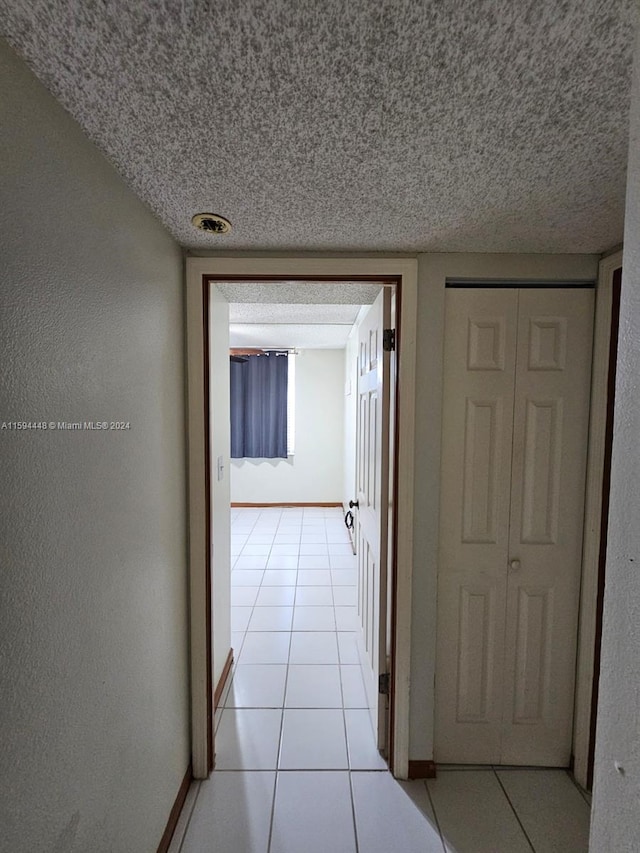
x=479 y=380
x=515 y=422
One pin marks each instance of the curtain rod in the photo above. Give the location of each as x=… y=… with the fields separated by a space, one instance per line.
x=263 y=351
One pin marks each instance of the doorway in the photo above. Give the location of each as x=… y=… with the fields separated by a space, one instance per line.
x=403 y=447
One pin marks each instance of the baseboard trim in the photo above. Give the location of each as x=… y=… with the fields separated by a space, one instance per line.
x=174 y=814
x=288 y=503
x=222 y=681
x=422 y=770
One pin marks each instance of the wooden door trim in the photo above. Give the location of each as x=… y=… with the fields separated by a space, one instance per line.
x=403 y=271
x=587 y=636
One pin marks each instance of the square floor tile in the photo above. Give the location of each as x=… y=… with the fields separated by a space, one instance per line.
x=474 y=813
x=318 y=549
x=313 y=647
x=309 y=596
x=287 y=539
x=280 y=578
x=313 y=538
x=346 y=617
x=314 y=577
x=260 y=539
x=240 y=617
x=247 y=739
x=391 y=815
x=250 y=563
x=317 y=562
x=348 y=647
x=313 y=686
x=353 y=691
x=282 y=562
x=256 y=550
x=313 y=740
x=244 y=596
x=552 y=811
x=257 y=686
x=271 y=619
x=265 y=647
x=345 y=596
x=344 y=577
x=313 y=814
x=284 y=550
x=361 y=745
x=340 y=550
x=314 y=619
x=232 y=813
x=343 y=562
x=276 y=596
x=248 y=577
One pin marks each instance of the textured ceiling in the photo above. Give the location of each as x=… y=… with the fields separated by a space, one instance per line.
x=465 y=125
x=300 y=292
x=252 y=312
x=286 y=335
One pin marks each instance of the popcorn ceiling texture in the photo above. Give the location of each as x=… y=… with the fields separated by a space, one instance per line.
x=490 y=125
x=300 y=292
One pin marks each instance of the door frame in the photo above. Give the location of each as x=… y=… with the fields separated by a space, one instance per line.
x=199 y=271
x=588 y=630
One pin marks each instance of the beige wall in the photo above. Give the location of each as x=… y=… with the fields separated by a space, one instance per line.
x=615 y=822
x=93 y=621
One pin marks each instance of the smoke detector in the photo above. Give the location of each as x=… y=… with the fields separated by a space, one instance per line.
x=211 y=223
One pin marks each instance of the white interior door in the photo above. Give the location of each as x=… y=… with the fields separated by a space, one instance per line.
x=372 y=495
x=515 y=421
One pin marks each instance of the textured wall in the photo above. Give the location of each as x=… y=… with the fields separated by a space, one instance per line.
x=93 y=619
x=315 y=472
x=615 y=819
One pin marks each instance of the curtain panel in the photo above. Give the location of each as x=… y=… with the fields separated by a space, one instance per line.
x=259 y=407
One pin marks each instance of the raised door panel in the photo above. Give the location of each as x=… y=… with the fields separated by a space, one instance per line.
x=479 y=375
x=545 y=538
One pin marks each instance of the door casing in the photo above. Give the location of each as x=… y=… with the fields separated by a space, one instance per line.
x=200 y=271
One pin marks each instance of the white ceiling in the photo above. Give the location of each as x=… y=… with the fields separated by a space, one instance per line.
x=286 y=335
x=395 y=125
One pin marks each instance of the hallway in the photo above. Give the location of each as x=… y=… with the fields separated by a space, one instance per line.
x=296 y=765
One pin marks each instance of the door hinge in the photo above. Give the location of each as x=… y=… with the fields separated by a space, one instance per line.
x=389 y=340
x=383 y=683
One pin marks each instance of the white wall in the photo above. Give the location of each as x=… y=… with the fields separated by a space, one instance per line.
x=615 y=817
x=314 y=474
x=93 y=592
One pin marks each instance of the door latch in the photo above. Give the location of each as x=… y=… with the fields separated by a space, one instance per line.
x=384 y=681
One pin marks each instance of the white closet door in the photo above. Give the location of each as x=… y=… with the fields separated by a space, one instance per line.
x=479 y=371
x=551 y=419
x=515 y=422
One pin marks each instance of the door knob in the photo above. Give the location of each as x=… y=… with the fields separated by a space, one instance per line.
x=514 y=565
x=353 y=504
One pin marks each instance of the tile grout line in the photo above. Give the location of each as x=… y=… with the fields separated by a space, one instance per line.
x=513 y=809
x=191 y=813
x=435 y=816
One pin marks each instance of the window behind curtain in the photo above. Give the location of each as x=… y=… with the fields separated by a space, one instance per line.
x=259 y=407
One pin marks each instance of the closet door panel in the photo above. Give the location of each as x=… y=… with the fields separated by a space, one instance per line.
x=479 y=375
x=551 y=415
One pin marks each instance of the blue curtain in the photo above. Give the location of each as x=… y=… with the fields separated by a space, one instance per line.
x=259 y=407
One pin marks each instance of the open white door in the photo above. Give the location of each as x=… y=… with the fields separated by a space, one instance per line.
x=372 y=446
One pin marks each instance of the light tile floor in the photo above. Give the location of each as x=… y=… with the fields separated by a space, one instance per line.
x=297 y=770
